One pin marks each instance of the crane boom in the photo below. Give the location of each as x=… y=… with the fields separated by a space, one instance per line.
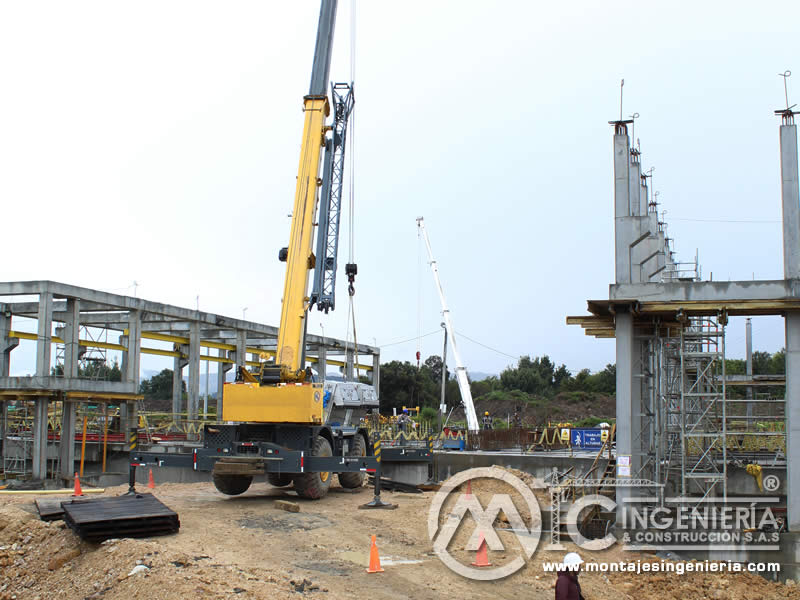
x=299 y=256
x=461 y=371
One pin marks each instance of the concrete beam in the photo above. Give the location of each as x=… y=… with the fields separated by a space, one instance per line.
x=706 y=291
x=65 y=384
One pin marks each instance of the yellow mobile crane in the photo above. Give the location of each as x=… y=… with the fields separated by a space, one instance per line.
x=279 y=411
x=278 y=421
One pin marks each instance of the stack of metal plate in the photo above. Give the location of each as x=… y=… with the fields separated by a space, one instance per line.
x=137 y=515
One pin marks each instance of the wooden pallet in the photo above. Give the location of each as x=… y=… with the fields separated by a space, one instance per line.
x=139 y=515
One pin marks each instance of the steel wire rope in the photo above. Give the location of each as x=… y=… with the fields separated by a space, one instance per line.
x=351 y=311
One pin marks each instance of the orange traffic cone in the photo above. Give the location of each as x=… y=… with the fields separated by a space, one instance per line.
x=78 y=491
x=374 y=558
x=150 y=483
x=482 y=557
x=469 y=488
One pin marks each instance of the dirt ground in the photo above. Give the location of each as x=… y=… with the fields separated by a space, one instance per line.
x=245 y=547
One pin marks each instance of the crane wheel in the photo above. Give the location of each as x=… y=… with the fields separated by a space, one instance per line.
x=315 y=485
x=232 y=485
x=357 y=448
x=279 y=479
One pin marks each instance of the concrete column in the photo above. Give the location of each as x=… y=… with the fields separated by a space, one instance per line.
x=222 y=370
x=177 y=385
x=194 y=370
x=241 y=349
x=792 y=400
x=749 y=365
x=635 y=188
x=66 y=450
x=134 y=345
x=645 y=209
x=39 y=458
x=348 y=365
x=791 y=202
x=621 y=207
x=45 y=334
x=71 y=335
x=322 y=362
x=628 y=403
x=6 y=344
x=376 y=374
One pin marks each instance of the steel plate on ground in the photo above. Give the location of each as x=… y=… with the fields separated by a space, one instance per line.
x=139 y=515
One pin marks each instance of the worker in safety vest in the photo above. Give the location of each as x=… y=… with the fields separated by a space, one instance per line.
x=487 y=420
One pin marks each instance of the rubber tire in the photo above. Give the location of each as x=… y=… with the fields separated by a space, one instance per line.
x=232 y=485
x=311 y=485
x=279 y=479
x=354 y=480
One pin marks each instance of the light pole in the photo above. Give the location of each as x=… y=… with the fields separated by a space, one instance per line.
x=442 y=404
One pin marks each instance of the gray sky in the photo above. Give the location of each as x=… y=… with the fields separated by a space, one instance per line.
x=158 y=142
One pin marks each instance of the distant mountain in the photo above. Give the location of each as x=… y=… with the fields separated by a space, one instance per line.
x=479 y=376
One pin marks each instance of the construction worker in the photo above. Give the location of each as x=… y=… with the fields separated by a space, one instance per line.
x=487 y=420
x=567 y=586
x=403 y=420
x=517 y=418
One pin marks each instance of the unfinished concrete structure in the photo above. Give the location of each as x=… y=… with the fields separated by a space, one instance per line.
x=70 y=322
x=673 y=410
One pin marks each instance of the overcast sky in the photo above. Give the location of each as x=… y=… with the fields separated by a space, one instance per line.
x=158 y=142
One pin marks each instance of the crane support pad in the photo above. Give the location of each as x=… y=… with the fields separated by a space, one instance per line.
x=137 y=515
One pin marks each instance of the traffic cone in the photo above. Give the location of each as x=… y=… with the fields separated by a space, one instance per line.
x=469 y=489
x=374 y=558
x=482 y=557
x=78 y=491
x=150 y=483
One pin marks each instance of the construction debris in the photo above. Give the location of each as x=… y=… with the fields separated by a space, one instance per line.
x=287 y=506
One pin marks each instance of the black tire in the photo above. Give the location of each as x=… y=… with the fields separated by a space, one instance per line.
x=358 y=447
x=232 y=485
x=279 y=479
x=315 y=485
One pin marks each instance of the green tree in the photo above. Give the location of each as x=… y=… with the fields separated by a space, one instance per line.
x=159 y=386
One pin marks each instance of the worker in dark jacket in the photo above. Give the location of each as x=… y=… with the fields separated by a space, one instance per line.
x=567 y=586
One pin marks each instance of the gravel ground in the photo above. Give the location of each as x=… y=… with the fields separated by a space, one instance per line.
x=246 y=547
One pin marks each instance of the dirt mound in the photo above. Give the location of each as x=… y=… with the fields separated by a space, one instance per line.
x=566 y=406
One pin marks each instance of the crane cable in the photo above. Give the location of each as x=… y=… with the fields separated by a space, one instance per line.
x=351 y=310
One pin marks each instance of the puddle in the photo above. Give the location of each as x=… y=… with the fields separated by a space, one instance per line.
x=362 y=558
